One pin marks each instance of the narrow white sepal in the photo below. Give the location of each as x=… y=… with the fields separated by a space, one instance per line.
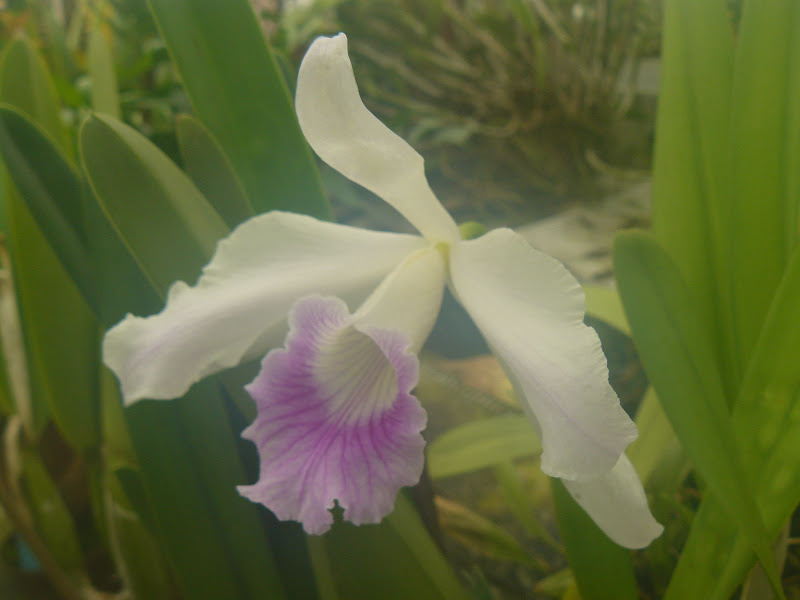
x=617 y=503
x=347 y=136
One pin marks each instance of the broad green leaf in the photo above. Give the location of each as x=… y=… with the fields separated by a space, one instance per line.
x=123 y=286
x=52 y=517
x=396 y=559
x=765 y=159
x=678 y=356
x=51 y=189
x=105 y=97
x=131 y=537
x=190 y=467
x=60 y=331
x=323 y=575
x=690 y=169
x=26 y=388
x=238 y=93
x=26 y=85
x=602 y=569
x=165 y=222
x=480 y=444
x=186 y=450
x=604 y=303
x=211 y=171
x=766 y=420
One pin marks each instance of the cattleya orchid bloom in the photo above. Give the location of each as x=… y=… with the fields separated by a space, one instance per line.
x=337 y=423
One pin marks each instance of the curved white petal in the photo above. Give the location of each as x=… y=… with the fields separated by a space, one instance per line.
x=616 y=502
x=239 y=305
x=353 y=141
x=530 y=310
x=408 y=300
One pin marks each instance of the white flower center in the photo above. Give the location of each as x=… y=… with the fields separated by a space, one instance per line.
x=355 y=376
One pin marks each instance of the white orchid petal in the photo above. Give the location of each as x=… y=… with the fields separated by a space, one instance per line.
x=530 y=310
x=239 y=305
x=348 y=137
x=617 y=503
x=408 y=300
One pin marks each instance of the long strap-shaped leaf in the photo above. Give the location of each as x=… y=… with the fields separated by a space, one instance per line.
x=166 y=223
x=238 y=93
x=765 y=161
x=51 y=189
x=187 y=451
x=767 y=423
x=60 y=330
x=674 y=345
x=690 y=198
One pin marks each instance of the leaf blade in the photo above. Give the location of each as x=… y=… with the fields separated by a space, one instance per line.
x=238 y=93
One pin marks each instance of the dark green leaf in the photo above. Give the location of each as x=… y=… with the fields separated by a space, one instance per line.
x=166 y=223
x=60 y=331
x=51 y=189
x=602 y=569
x=238 y=93
x=190 y=467
x=394 y=560
x=26 y=85
x=211 y=171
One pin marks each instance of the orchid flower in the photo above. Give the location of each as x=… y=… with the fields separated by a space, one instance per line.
x=337 y=423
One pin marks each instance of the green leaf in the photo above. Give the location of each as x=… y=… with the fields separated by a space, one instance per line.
x=51 y=189
x=396 y=559
x=190 y=467
x=165 y=222
x=26 y=85
x=211 y=171
x=766 y=420
x=677 y=354
x=238 y=93
x=105 y=97
x=480 y=444
x=123 y=286
x=690 y=169
x=602 y=569
x=60 y=331
x=765 y=154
